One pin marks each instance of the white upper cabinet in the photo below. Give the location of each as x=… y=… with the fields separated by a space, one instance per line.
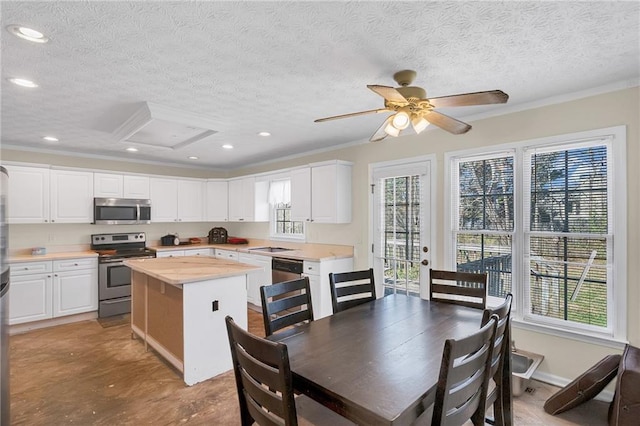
x=301 y=195
x=241 y=199
x=190 y=200
x=176 y=200
x=110 y=185
x=71 y=196
x=321 y=193
x=135 y=187
x=217 y=208
x=107 y=185
x=28 y=194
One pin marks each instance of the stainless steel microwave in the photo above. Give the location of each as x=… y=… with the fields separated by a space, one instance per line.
x=121 y=211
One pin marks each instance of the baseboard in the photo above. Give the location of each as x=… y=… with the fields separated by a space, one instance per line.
x=605 y=395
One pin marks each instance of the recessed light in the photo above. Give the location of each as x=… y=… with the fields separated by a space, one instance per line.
x=23 y=82
x=50 y=139
x=227 y=146
x=132 y=149
x=264 y=134
x=27 y=33
x=193 y=157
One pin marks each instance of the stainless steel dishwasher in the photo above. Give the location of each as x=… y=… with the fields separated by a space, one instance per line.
x=285 y=269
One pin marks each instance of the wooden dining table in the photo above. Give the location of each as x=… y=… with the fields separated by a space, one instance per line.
x=377 y=363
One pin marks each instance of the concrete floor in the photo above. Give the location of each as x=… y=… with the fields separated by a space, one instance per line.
x=85 y=374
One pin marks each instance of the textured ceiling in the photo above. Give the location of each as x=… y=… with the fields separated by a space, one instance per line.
x=277 y=66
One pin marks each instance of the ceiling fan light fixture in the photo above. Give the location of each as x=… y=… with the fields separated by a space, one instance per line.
x=391 y=130
x=419 y=123
x=401 y=120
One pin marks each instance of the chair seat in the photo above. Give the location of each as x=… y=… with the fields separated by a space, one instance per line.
x=312 y=413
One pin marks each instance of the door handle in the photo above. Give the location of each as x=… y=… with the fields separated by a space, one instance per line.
x=425 y=262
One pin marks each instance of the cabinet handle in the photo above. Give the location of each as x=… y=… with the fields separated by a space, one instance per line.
x=75 y=264
x=26 y=269
x=46 y=220
x=55 y=275
x=52 y=220
x=48 y=276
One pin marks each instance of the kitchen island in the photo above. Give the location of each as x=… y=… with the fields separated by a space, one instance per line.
x=178 y=308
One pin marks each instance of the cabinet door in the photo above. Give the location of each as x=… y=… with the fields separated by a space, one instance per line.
x=301 y=195
x=241 y=200
x=256 y=279
x=107 y=185
x=30 y=298
x=190 y=201
x=135 y=187
x=75 y=292
x=28 y=194
x=71 y=196
x=331 y=193
x=217 y=201
x=315 y=284
x=164 y=200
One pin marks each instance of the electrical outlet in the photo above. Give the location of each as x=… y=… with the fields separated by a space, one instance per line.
x=52 y=238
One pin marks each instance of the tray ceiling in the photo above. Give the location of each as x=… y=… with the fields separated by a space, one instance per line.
x=247 y=67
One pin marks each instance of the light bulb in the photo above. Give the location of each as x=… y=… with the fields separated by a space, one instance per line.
x=400 y=120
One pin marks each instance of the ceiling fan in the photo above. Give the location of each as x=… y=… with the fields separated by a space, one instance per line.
x=410 y=105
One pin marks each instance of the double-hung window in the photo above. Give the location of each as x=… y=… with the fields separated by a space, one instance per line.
x=282 y=226
x=544 y=219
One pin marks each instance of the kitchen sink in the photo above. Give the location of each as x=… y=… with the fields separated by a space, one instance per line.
x=270 y=249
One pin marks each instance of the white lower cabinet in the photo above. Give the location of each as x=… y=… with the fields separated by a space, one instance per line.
x=318 y=273
x=50 y=289
x=198 y=252
x=256 y=279
x=30 y=298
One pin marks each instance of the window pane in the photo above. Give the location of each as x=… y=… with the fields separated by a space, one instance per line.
x=487 y=253
x=569 y=191
x=563 y=269
x=486 y=194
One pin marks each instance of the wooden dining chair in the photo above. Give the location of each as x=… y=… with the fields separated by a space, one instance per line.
x=285 y=304
x=349 y=289
x=501 y=387
x=464 y=377
x=265 y=384
x=460 y=288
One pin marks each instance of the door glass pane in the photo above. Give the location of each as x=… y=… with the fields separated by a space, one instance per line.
x=401 y=234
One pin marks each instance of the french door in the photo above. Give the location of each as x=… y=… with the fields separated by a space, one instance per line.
x=401 y=226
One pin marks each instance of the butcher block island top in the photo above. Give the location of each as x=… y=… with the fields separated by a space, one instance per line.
x=178 y=308
x=189 y=269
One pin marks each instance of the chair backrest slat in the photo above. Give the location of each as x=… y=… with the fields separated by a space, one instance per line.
x=349 y=289
x=461 y=288
x=263 y=378
x=285 y=304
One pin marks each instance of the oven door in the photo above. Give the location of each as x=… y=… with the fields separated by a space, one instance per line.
x=114 y=280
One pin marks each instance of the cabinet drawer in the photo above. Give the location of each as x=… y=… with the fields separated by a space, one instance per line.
x=26 y=268
x=170 y=253
x=226 y=254
x=74 y=264
x=198 y=252
x=312 y=268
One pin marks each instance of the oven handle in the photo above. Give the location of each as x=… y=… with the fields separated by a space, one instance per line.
x=138 y=212
x=112 y=261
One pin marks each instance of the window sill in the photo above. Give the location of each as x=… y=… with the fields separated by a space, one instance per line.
x=609 y=342
x=299 y=239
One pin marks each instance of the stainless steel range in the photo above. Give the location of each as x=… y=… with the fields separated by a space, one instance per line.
x=114 y=278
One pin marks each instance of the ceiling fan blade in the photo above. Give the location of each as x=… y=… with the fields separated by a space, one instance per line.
x=353 y=114
x=447 y=123
x=389 y=93
x=380 y=134
x=468 y=99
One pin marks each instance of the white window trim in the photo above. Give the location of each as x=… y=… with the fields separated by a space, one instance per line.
x=617 y=175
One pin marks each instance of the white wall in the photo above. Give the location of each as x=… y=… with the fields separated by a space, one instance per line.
x=565 y=358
